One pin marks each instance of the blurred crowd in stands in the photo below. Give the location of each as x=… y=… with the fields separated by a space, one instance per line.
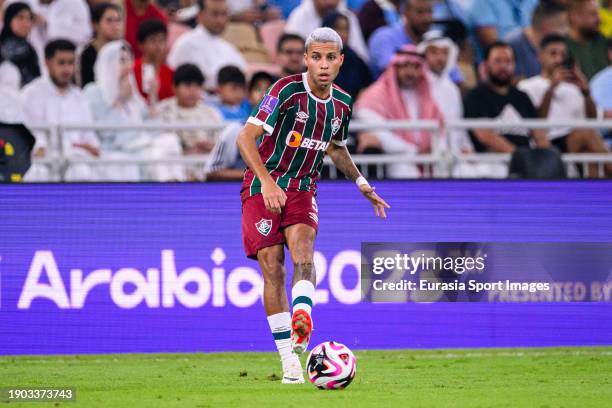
x=210 y=61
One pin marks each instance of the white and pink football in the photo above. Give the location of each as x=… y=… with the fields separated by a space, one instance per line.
x=331 y=366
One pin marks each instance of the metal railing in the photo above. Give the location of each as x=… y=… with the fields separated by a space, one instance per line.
x=441 y=162
x=571 y=160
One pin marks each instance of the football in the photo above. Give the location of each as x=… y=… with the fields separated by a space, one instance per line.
x=331 y=366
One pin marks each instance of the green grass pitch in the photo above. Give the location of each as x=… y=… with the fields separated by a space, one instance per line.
x=550 y=377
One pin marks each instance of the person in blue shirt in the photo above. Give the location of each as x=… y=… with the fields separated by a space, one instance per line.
x=225 y=162
x=548 y=18
x=286 y=6
x=492 y=20
x=232 y=101
x=385 y=41
x=374 y=14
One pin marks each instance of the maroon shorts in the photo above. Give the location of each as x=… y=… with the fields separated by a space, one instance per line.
x=262 y=228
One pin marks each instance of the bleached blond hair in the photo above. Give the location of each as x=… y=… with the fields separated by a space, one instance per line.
x=324 y=35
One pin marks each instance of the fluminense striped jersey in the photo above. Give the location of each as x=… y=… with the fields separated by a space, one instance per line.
x=298 y=129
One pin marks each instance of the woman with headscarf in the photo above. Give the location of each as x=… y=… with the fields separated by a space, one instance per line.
x=114 y=98
x=354 y=74
x=402 y=92
x=14 y=45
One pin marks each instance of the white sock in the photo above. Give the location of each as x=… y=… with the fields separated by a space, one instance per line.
x=302 y=294
x=280 y=325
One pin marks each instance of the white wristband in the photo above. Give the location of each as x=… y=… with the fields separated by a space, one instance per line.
x=361 y=180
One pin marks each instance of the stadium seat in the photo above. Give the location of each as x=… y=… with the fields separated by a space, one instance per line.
x=270 y=33
x=175 y=30
x=244 y=37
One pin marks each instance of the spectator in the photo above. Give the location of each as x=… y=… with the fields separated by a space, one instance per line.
x=14 y=45
x=137 y=11
x=310 y=13
x=253 y=11
x=204 y=47
x=186 y=13
x=354 y=74
x=225 y=162
x=232 y=102
x=492 y=20
x=114 y=98
x=562 y=92
x=106 y=20
x=498 y=98
x=601 y=85
x=440 y=56
x=55 y=100
x=67 y=19
x=384 y=42
x=187 y=106
x=258 y=85
x=585 y=42
x=401 y=93
x=290 y=54
x=182 y=20
x=153 y=76
x=378 y=13
x=547 y=19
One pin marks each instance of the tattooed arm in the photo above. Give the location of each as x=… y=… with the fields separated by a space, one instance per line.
x=343 y=162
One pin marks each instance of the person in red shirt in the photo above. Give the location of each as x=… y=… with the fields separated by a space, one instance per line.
x=137 y=11
x=153 y=76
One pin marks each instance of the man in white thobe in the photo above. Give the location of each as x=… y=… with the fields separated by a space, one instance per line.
x=204 y=47
x=53 y=99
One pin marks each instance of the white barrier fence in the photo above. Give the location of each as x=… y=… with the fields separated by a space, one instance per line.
x=442 y=162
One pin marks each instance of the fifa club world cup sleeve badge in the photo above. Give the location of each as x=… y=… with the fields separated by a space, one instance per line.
x=264 y=226
x=269 y=103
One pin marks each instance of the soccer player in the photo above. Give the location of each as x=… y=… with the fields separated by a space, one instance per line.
x=300 y=119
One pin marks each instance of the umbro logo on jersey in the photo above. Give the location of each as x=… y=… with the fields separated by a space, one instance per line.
x=301 y=117
x=336 y=122
x=295 y=139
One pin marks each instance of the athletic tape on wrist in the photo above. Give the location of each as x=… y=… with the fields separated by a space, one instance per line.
x=361 y=180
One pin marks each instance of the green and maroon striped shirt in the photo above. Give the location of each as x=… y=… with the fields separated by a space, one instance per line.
x=298 y=129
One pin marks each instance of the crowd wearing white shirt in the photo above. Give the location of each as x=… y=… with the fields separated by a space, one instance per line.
x=206 y=36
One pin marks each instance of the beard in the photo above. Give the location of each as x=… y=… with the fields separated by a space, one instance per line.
x=500 y=80
x=437 y=70
x=60 y=82
x=408 y=83
x=589 y=33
